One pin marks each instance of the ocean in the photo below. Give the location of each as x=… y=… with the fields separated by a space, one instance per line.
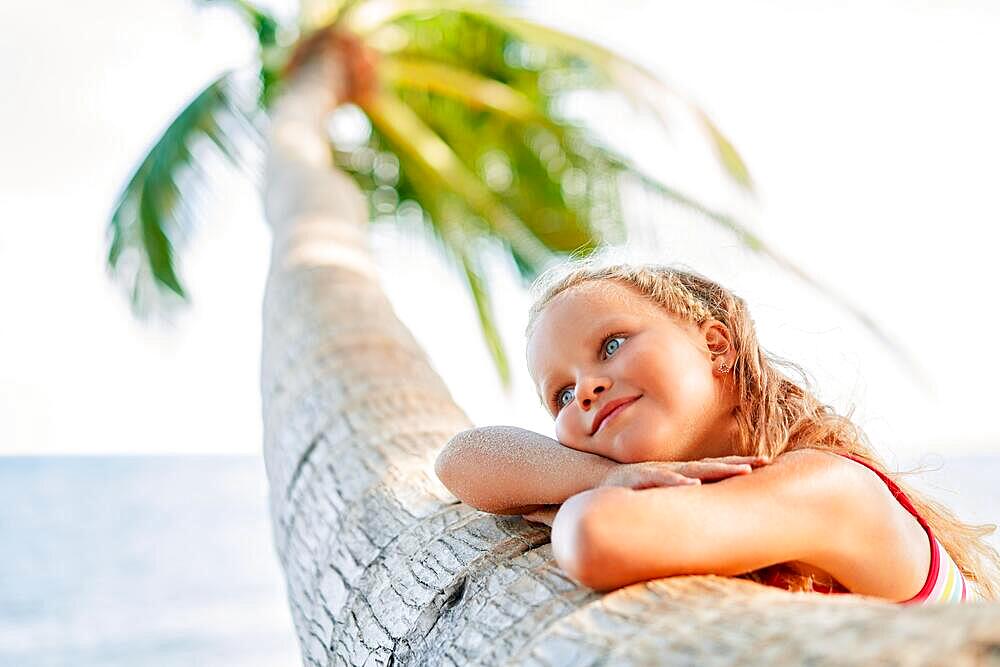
x=153 y=561
x=168 y=561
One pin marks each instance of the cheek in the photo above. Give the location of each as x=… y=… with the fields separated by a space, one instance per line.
x=563 y=432
x=568 y=431
x=560 y=432
x=682 y=379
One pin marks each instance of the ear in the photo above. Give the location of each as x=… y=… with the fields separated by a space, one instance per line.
x=719 y=341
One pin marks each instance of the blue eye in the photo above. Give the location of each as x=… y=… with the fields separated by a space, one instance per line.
x=562 y=393
x=611 y=345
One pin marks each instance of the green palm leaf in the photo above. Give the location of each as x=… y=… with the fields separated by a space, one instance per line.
x=457 y=73
x=447 y=213
x=272 y=54
x=474 y=90
x=153 y=214
x=637 y=82
x=421 y=145
x=484 y=309
x=425 y=157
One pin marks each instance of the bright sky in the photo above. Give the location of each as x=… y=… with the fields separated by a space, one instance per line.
x=870 y=129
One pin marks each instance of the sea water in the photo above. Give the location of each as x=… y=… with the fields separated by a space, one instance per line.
x=139 y=561
x=163 y=561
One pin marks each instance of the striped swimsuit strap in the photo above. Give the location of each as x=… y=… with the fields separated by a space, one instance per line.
x=945 y=582
x=949 y=584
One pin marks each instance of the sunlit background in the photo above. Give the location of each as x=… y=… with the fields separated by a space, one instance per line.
x=869 y=128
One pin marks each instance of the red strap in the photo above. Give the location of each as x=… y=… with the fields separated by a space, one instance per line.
x=898 y=494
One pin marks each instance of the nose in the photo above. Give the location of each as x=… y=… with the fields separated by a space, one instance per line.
x=588 y=389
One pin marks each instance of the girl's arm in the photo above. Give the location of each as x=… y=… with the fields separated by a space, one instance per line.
x=510 y=470
x=809 y=506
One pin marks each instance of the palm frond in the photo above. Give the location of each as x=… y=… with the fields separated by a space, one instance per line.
x=638 y=83
x=487 y=322
x=473 y=89
x=445 y=212
x=466 y=80
x=422 y=145
x=454 y=67
x=153 y=215
x=725 y=151
x=273 y=55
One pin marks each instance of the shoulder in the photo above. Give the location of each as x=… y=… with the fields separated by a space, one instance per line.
x=817 y=462
x=825 y=486
x=883 y=550
x=833 y=480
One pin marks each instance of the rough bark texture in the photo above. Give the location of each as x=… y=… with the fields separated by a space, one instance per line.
x=384 y=566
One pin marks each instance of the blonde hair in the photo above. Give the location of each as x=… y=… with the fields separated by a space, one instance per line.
x=775 y=414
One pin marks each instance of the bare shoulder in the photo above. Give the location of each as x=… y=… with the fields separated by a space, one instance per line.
x=815 y=461
x=841 y=476
x=888 y=551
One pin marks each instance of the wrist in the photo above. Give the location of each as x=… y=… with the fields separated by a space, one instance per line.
x=606 y=468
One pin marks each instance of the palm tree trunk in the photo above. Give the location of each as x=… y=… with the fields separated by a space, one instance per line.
x=384 y=566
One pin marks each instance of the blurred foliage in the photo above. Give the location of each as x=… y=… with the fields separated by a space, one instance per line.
x=154 y=212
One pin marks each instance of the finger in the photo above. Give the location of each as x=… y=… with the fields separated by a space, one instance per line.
x=715 y=471
x=754 y=461
x=726 y=473
x=652 y=477
x=671 y=478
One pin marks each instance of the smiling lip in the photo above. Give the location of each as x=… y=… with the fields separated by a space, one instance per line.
x=610 y=410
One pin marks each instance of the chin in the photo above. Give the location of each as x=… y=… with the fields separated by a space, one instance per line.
x=635 y=453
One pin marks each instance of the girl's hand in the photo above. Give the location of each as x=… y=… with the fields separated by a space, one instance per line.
x=647 y=474
x=546 y=515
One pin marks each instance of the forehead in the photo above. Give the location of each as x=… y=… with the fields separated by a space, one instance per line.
x=573 y=313
x=599 y=295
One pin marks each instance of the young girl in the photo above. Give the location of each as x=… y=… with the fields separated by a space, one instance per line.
x=683 y=450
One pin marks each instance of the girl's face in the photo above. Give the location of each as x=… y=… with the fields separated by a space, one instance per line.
x=602 y=343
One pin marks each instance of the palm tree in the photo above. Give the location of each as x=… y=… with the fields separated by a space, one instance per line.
x=382 y=564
